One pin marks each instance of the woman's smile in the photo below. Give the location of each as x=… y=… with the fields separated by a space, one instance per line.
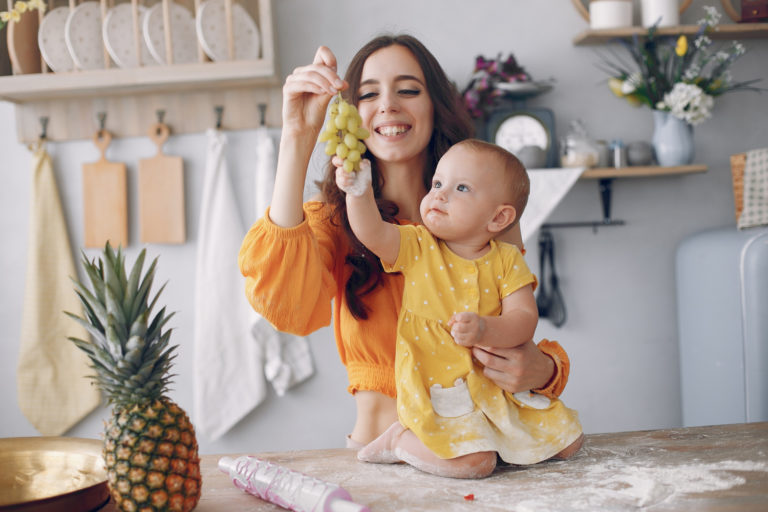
x=392 y=130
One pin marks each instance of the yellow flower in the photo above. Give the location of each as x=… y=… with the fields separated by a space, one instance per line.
x=37 y=4
x=633 y=100
x=682 y=46
x=615 y=84
x=5 y=17
x=20 y=7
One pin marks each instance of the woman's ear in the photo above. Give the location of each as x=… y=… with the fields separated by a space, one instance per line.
x=505 y=215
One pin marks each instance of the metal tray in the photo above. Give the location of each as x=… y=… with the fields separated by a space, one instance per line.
x=52 y=474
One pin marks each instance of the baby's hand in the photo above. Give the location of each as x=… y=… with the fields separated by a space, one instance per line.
x=467 y=328
x=354 y=183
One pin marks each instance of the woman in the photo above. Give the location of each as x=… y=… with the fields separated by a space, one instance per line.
x=299 y=259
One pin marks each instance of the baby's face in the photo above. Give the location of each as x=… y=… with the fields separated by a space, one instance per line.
x=466 y=191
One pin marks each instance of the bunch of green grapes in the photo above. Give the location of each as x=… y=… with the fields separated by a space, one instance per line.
x=344 y=133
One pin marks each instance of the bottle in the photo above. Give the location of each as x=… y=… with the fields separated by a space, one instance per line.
x=287 y=488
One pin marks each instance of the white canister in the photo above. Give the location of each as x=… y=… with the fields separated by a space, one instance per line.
x=668 y=11
x=610 y=13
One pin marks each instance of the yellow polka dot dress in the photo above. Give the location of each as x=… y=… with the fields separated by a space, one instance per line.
x=442 y=394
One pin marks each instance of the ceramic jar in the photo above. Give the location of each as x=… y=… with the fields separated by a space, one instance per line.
x=610 y=13
x=665 y=12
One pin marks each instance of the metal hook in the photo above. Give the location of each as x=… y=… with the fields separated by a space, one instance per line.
x=43 y=127
x=262 y=114
x=219 y=110
x=102 y=117
x=160 y=115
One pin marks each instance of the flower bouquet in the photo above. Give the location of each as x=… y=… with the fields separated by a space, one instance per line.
x=669 y=74
x=483 y=94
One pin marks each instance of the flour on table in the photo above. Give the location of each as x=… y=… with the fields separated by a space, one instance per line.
x=615 y=485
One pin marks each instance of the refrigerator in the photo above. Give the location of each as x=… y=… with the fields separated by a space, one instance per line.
x=722 y=300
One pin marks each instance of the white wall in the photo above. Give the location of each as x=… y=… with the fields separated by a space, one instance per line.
x=618 y=284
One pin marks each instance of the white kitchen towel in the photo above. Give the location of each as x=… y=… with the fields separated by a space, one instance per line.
x=548 y=188
x=288 y=357
x=755 y=211
x=53 y=389
x=229 y=356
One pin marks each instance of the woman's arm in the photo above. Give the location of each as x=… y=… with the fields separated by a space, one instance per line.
x=306 y=94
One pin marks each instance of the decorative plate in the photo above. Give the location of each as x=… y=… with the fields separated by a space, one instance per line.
x=51 y=474
x=118 y=37
x=50 y=39
x=82 y=32
x=183 y=38
x=211 y=26
x=523 y=89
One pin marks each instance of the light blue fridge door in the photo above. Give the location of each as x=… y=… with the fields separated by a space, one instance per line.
x=722 y=297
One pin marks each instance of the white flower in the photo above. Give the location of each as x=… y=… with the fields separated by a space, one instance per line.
x=711 y=18
x=689 y=103
x=692 y=73
x=702 y=41
x=627 y=87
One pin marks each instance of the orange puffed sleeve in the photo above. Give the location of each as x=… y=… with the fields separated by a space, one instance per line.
x=289 y=272
x=556 y=385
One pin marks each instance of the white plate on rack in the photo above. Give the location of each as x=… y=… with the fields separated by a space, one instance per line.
x=119 y=37
x=82 y=32
x=183 y=38
x=50 y=39
x=211 y=24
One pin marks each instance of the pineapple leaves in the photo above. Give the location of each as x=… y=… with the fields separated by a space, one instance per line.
x=129 y=354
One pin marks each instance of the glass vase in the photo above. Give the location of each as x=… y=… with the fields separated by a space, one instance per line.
x=672 y=140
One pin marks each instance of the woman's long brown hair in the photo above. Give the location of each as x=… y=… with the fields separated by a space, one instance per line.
x=451 y=125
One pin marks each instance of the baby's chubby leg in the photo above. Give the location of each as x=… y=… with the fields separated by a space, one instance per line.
x=398 y=444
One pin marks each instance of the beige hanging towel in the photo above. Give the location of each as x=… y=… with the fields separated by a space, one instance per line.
x=54 y=393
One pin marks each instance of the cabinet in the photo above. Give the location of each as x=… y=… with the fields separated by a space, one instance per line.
x=130 y=97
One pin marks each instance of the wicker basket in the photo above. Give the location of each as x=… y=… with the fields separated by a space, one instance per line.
x=738 y=163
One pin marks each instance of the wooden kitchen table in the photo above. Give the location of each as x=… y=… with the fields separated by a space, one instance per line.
x=718 y=468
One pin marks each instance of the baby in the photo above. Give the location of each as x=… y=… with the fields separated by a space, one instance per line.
x=462 y=289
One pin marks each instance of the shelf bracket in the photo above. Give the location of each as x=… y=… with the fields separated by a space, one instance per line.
x=605 y=188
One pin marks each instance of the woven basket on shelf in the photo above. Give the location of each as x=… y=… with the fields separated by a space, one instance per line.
x=737 y=172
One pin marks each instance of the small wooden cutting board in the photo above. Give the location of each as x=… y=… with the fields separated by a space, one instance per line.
x=22 y=44
x=161 y=193
x=105 y=201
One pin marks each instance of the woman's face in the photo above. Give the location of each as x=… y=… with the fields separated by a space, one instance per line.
x=395 y=105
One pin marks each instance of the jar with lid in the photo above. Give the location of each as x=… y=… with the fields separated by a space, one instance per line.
x=577 y=149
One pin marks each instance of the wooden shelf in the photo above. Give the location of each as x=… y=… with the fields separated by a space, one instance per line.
x=732 y=31
x=641 y=171
x=155 y=79
x=130 y=98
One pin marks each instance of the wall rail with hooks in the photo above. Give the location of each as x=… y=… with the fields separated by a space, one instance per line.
x=188 y=91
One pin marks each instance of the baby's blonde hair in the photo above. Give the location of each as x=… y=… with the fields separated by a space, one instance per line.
x=512 y=172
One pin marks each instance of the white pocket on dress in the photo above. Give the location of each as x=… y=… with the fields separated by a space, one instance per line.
x=532 y=400
x=452 y=402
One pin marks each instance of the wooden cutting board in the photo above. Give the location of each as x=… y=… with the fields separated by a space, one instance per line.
x=161 y=193
x=105 y=201
x=5 y=60
x=22 y=44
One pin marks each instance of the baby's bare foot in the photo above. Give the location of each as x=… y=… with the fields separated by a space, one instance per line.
x=382 y=449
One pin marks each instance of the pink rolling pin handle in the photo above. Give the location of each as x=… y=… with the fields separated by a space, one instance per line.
x=287 y=488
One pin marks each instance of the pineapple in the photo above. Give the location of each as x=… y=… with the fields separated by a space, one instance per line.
x=150 y=447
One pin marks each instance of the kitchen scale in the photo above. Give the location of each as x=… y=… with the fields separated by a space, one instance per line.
x=514 y=125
